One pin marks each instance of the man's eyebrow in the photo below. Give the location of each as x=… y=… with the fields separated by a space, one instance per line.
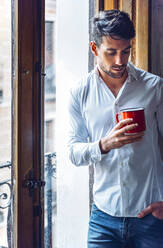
x=113 y=49
x=127 y=47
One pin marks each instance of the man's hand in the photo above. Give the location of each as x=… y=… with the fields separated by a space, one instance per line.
x=156 y=209
x=118 y=138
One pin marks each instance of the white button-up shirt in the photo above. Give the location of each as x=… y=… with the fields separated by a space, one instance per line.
x=130 y=178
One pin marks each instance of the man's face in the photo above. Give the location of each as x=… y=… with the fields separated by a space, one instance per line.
x=112 y=56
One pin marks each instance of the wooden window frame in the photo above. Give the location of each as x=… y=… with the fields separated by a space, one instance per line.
x=27 y=121
x=141 y=44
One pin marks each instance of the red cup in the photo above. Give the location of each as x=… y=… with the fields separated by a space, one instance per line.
x=137 y=114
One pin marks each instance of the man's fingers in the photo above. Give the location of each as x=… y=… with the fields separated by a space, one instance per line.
x=123 y=123
x=123 y=132
x=124 y=126
x=145 y=211
x=126 y=140
x=156 y=208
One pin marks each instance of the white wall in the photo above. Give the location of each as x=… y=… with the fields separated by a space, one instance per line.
x=71 y=63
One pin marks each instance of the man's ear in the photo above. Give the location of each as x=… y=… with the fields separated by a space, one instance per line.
x=93 y=48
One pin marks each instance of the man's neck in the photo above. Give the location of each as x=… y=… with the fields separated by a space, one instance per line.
x=114 y=84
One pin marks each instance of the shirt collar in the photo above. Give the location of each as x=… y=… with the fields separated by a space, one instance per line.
x=132 y=71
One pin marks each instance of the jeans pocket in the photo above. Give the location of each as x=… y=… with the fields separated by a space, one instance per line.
x=155 y=218
x=95 y=212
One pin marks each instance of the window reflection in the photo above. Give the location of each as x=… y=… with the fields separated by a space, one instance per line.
x=49 y=126
x=50 y=88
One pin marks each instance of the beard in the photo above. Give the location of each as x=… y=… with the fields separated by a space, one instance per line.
x=119 y=74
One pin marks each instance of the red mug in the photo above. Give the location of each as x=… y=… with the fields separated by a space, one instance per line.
x=137 y=114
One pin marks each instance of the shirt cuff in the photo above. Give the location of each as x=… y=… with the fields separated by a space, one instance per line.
x=95 y=152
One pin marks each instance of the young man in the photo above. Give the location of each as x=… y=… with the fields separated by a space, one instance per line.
x=128 y=184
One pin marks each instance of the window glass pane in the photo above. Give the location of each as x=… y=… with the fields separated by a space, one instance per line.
x=5 y=122
x=49 y=125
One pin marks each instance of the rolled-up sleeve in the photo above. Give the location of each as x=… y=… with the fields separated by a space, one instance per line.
x=81 y=151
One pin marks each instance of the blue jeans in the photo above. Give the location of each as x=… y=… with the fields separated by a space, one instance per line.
x=106 y=231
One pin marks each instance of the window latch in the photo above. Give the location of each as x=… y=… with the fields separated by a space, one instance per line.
x=31 y=184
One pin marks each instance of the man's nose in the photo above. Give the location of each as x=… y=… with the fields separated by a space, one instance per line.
x=119 y=60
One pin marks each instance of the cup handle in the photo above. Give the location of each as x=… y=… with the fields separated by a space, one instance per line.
x=117 y=117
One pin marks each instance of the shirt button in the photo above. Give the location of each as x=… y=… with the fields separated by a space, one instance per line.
x=121 y=163
x=124 y=184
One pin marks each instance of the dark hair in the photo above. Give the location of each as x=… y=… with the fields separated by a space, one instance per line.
x=113 y=23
